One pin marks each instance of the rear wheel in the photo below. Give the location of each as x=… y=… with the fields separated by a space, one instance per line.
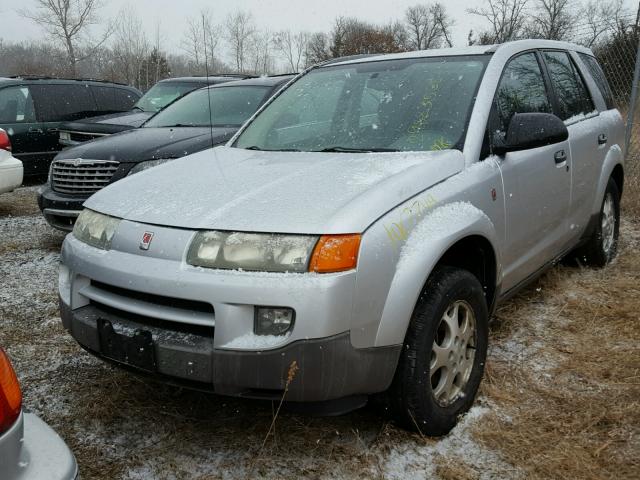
x=443 y=358
x=602 y=247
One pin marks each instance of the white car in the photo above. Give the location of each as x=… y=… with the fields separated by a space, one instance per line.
x=10 y=168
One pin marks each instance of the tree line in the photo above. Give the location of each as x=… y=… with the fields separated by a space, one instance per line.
x=80 y=43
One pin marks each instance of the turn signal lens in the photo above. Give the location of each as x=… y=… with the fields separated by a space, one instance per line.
x=335 y=253
x=10 y=395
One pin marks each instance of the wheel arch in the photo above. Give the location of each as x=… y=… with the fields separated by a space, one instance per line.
x=468 y=242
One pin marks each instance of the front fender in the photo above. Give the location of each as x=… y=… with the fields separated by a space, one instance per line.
x=427 y=243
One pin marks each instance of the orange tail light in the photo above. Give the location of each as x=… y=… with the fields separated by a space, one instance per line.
x=10 y=394
x=335 y=253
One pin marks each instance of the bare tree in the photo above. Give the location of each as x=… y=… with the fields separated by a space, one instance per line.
x=69 y=21
x=600 y=18
x=200 y=40
x=130 y=46
x=240 y=29
x=506 y=18
x=317 y=50
x=428 y=26
x=552 y=20
x=260 y=57
x=292 y=46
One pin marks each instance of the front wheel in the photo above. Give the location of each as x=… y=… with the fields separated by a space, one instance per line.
x=444 y=352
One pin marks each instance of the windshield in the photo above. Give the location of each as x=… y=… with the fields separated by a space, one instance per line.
x=230 y=107
x=415 y=104
x=162 y=94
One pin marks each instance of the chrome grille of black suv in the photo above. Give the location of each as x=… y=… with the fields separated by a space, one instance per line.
x=81 y=176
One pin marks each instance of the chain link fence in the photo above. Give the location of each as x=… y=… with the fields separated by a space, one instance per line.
x=620 y=60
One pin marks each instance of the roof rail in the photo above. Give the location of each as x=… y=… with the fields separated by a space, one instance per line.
x=77 y=79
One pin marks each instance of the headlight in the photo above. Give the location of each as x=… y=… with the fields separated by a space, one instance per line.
x=95 y=229
x=252 y=251
x=148 y=164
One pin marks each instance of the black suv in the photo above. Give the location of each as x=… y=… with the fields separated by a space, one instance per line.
x=184 y=127
x=33 y=108
x=159 y=96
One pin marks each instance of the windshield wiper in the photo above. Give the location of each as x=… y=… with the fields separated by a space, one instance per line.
x=356 y=150
x=135 y=107
x=255 y=147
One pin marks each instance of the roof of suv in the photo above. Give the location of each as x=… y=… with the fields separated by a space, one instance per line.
x=28 y=79
x=270 y=81
x=211 y=79
x=515 y=46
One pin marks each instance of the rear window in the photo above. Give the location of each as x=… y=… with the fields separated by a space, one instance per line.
x=573 y=97
x=113 y=99
x=599 y=77
x=63 y=102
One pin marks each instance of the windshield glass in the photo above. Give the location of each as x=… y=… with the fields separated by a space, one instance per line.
x=162 y=94
x=412 y=104
x=230 y=107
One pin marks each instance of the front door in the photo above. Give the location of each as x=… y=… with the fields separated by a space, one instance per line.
x=537 y=182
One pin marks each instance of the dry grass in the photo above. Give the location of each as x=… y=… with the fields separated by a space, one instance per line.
x=19 y=203
x=572 y=408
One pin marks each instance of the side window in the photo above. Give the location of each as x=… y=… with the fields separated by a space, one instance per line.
x=16 y=105
x=63 y=102
x=572 y=94
x=599 y=77
x=521 y=90
x=125 y=99
x=113 y=99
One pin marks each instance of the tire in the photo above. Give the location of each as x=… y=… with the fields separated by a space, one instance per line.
x=602 y=246
x=416 y=398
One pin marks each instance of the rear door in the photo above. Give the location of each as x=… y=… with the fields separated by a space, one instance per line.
x=587 y=134
x=537 y=186
x=56 y=104
x=18 y=119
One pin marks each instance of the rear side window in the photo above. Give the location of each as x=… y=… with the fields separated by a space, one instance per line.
x=521 y=90
x=572 y=94
x=16 y=105
x=113 y=99
x=63 y=102
x=599 y=77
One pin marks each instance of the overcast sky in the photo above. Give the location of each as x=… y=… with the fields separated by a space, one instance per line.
x=272 y=14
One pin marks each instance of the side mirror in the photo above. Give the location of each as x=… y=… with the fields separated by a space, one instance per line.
x=531 y=130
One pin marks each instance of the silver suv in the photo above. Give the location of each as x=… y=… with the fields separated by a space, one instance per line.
x=358 y=232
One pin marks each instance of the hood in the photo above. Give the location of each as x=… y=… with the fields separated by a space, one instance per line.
x=111 y=123
x=280 y=192
x=143 y=144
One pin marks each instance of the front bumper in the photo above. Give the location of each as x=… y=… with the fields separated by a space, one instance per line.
x=327 y=368
x=59 y=210
x=32 y=450
x=214 y=348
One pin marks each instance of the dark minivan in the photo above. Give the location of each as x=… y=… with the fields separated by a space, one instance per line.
x=33 y=108
x=184 y=127
x=159 y=96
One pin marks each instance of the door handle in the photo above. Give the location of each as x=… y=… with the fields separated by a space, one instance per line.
x=560 y=157
x=52 y=130
x=34 y=131
x=602 y=139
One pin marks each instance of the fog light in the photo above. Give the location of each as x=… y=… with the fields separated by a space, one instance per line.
x=273 y=321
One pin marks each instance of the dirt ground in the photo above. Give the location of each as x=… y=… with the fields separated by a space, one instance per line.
x=561 y=396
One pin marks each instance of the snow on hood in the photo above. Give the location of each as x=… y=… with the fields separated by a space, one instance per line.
x=282 y=192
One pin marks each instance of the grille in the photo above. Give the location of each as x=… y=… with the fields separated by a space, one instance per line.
x=81 y=176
